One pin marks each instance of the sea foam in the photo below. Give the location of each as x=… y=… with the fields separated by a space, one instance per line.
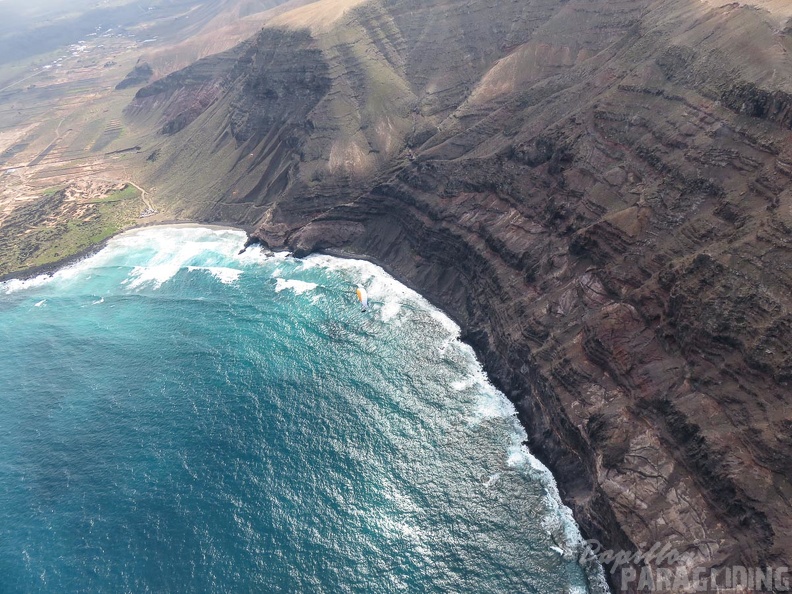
x=299 y=287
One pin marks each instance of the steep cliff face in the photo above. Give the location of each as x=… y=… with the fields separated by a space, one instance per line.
x=231 y=130
x=599 y=192
x=397 y=74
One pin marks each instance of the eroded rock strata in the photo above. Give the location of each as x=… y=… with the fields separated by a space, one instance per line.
x=599 y=192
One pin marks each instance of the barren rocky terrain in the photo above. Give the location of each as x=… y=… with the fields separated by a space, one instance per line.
x=598 y=191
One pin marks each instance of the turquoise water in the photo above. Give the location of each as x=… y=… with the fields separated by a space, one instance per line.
x=176 y=417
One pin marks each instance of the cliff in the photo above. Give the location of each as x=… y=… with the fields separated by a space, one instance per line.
x=599 y=192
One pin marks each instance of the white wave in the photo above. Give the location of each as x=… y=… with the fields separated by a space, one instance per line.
x=557 y=519
x=154 y=255
x=98 y=301
x=380 y=286
x=390 y=310
x=40 y=303
x=68 y=272
x=518 y=455
x=15 y=284
x=225 y=275
x=226 y=240
x=298 y=286
x=172 y=249
x=462 y=385
x=446 y=322
x=444 y=346
x=156 y=276
x=150 y=254
x=491 y=404
x=383 y=290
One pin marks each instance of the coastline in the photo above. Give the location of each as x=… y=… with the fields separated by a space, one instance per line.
x=462 y=288
x=563 y=474
x=52 y=267
x=465 y=336
x=161 y=246
x=560 y=477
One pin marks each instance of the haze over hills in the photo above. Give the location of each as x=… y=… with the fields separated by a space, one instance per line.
x=598 y=191
x=30 y=30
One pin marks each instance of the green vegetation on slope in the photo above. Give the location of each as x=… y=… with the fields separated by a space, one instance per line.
x=53 y=228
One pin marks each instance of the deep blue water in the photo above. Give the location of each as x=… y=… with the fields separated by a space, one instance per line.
x=175 y=417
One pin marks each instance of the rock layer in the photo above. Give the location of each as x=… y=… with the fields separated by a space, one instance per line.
x=598 y=192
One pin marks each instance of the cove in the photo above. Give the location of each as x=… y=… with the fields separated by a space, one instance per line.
x=179 y=416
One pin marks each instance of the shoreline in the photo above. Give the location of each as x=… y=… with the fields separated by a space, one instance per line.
x=52 y=267
x=565 y=526
x=463 y=336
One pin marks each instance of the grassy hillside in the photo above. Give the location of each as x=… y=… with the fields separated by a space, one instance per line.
x=64 y=222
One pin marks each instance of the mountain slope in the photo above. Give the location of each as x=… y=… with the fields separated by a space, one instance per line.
x=599 y=192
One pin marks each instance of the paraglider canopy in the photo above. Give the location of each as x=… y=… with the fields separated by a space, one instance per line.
x=362 y=297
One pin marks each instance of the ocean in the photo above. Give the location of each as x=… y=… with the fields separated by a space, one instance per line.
x=178 y=417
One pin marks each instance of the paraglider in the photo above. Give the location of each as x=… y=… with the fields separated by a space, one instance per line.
x=362 y=297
